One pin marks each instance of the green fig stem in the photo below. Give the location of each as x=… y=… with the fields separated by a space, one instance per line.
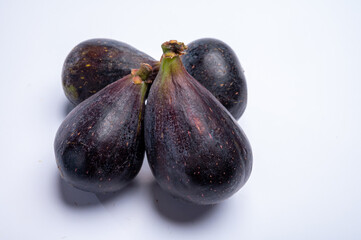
x=173 y=48
x=171 y=62
x=141 y=75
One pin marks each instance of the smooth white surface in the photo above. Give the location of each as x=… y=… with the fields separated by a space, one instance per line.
x=302 y=61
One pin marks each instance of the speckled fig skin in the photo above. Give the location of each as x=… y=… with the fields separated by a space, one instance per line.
x=195 y=148
x=95 y=63
x=99 y=147
x=215 y=65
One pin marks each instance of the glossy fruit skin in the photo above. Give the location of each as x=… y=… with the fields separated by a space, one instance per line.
x=95 y=63
x=215 y=65
x=195 y=148
x=99 y=147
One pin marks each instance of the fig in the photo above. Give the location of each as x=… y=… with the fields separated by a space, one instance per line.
x=95 y=63
x=99 y=147
x=195 y=148
x=215 y=65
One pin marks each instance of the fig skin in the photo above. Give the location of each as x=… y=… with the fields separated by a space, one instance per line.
x=215 y=65
x=95 y=63
x=195 y=148
x=99 y=147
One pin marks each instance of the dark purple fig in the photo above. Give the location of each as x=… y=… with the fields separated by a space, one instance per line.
x=100 y=145
x=95 y=63
x=195 y=148
x=215 y=65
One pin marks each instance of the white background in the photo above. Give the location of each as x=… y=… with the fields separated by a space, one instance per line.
x=302 y=60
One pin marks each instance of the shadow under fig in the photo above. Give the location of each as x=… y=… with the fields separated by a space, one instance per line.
x=77 y=198
x=176 y=209
x=125 y=191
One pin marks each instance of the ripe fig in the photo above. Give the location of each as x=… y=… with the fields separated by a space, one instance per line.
x=215 y=65
x=99 y=147
x=195 y=148
x=95 y=63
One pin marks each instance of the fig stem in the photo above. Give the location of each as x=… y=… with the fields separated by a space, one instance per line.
x=141 y=75
x=173 y=48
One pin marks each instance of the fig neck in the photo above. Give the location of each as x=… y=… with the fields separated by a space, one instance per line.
x=171 y=63
x=171 y=67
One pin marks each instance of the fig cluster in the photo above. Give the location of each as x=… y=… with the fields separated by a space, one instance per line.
x=187 y=127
